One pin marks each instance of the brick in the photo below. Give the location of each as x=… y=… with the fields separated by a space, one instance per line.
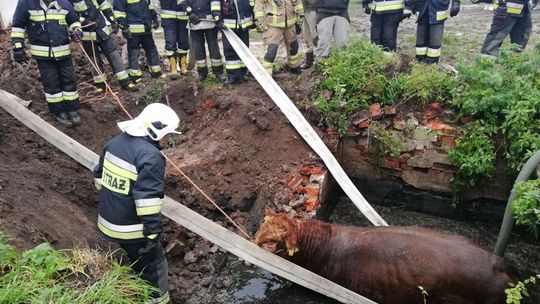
x=434 y=171
x=429 y=114
x=311 y=203
x=363 y=124
x=389 y=110
x=375 y=111
x=406 y=167
x=305 y=169
x=312 y=190
x=209 y=103
x=392 y=163
x=406 y=155
x=439 y=126
x=436 y=106
x=399 y=124
x=447 y=141
x=296 y=183
x=316 y=170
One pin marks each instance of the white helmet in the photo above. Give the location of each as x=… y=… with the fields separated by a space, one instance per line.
x=156 y=121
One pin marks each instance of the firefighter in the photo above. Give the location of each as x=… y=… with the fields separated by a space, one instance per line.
x=49 y=25
x=510 y=17
x=280 y=19
x=137 y=18
x=309 y=30
x=332 y=26
x=98 y=24
x=385 y=19
x=174 y=22
x=238 y=16
x=204 y=23
x=130 y=179
x=429 y=33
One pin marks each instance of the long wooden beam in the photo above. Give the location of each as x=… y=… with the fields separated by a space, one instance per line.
x=303 y=127
x=188 y=218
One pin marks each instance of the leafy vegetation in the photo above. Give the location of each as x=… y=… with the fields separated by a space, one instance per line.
x=504 y=96
x=427 y=84
x=44 y=275
x=383 y=141
x=526 y=205
x=516 y=292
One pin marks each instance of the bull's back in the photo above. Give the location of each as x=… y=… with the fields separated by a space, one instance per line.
x=389 y=264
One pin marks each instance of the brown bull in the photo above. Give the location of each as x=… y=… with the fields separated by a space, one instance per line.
x=388 y=264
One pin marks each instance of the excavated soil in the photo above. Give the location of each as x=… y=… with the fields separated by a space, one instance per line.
x=236 y=145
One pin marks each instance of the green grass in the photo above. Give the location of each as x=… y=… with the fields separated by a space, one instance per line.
x=45 y=275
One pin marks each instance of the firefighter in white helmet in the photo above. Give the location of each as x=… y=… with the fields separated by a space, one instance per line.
x=130 y=178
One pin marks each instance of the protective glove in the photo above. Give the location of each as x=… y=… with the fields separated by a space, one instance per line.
x=150 y=246
x=367 y=9
x=126 y=33
x=115 y=27
x=219 y=22
x=194 y=19
x=406 y=14
x=261 y=27
x=77 y=35
x=455 y=8
x=19 y=55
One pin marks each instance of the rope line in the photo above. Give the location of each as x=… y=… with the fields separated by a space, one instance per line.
x=120 y=104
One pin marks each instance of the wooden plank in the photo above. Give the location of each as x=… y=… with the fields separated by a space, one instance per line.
x=303 y=127
x=186 y=217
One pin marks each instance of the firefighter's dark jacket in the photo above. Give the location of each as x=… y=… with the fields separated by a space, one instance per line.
x=47 y=27
x=137 y=15
x=437 y=10
x=205 y=9
x=130 y=176
x=95 y=11
x=173 y=10
x=237 y=14
x=333 y=6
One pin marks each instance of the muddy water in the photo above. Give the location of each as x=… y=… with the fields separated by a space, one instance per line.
x=263 y=288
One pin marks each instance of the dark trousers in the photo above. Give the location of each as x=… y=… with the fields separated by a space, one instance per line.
x=106 y=47
x=198 y=39
x=236 y=69
x=502 y=25
x=60 y=84
x=146 y=41
x=384 y=30
x=176 y=37
x=428 y=39
x=151 y=266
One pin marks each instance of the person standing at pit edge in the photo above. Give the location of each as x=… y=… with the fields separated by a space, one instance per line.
x=280 y=19
x=429 y=33
x=174 y=21
x=97 y=39
x=309 y=31
x=238 y=16
x=385 y=19
x=332 y=26
x=130 y=179
x=512 y=17
x=137 y=18
x=204 y=23
x=48 y=25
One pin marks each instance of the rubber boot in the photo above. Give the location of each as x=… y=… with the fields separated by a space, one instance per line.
x=173 y=72
x=183 y=65
x=309 y=61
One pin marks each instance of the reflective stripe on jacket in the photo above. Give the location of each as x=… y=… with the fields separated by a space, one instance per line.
x=513 y=7
x=137 y=15
x=47 y=27
x=98 y=12
x=130 y=176
x=205 y=9
x=173 y=9
x=438 y=10
x=237 y=14
x=386 y=6
x=283 y=15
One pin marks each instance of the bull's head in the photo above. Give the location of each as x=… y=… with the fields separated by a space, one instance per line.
x=277 y=234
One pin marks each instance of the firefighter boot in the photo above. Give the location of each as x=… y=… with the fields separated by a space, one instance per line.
x=183 y=65
x=308 y=62
x=173 y=72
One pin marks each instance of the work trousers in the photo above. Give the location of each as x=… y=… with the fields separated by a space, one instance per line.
x=199 y=37
x=60 y=85
x=272 y=38
x=176 y=37
x=152 y=267
x=236 y=69
x=384 y=30
x=428 y=40
x=309 y=29
x=95 y=48
x=502 y=25
x=333 y=30
x=146 y=41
